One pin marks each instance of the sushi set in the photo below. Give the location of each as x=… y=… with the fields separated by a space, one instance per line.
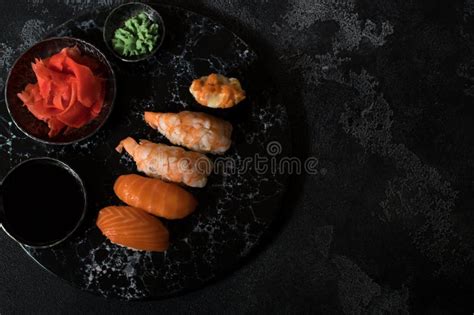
x=136 y=124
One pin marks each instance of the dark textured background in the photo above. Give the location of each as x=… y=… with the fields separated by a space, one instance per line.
x=382 y=93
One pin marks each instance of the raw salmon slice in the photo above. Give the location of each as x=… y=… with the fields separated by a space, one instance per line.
x=133 y=228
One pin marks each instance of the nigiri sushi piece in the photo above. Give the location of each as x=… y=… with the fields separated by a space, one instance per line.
x=196 y=131
x=170 y=163
x=217 y=91
x=155 y=196
x=133 y=228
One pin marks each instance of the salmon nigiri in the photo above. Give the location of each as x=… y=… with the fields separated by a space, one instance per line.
x=196 y=131
x=133 y=228
x=170 y=163
x=155 y=196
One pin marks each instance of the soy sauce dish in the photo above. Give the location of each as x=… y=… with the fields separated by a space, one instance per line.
x=42 y=202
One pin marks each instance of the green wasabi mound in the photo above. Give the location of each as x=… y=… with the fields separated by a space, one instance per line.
x=138 y=36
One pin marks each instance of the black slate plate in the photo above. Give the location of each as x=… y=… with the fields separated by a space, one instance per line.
x=236 y=207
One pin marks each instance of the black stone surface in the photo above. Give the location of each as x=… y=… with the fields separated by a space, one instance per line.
x=381 y=92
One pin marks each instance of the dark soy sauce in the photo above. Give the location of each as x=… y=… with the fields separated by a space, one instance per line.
x=42 y=202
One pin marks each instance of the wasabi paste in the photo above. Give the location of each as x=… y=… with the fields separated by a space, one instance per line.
x=138 y=36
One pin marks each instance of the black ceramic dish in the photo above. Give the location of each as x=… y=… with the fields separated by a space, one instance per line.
x=237 y=207
x=119 y=15
x=21 y=74
x=42 y=202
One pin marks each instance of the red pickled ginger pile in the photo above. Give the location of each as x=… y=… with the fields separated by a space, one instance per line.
x=67 y=94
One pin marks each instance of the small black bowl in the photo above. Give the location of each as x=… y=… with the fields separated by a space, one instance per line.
x=42 y=202
x=117 y=18
x=21 y=74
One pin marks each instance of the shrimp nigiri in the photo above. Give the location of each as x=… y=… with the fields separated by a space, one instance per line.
x=196 y=131
x=133 y=228
x=167 y=162
x=155 y=196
